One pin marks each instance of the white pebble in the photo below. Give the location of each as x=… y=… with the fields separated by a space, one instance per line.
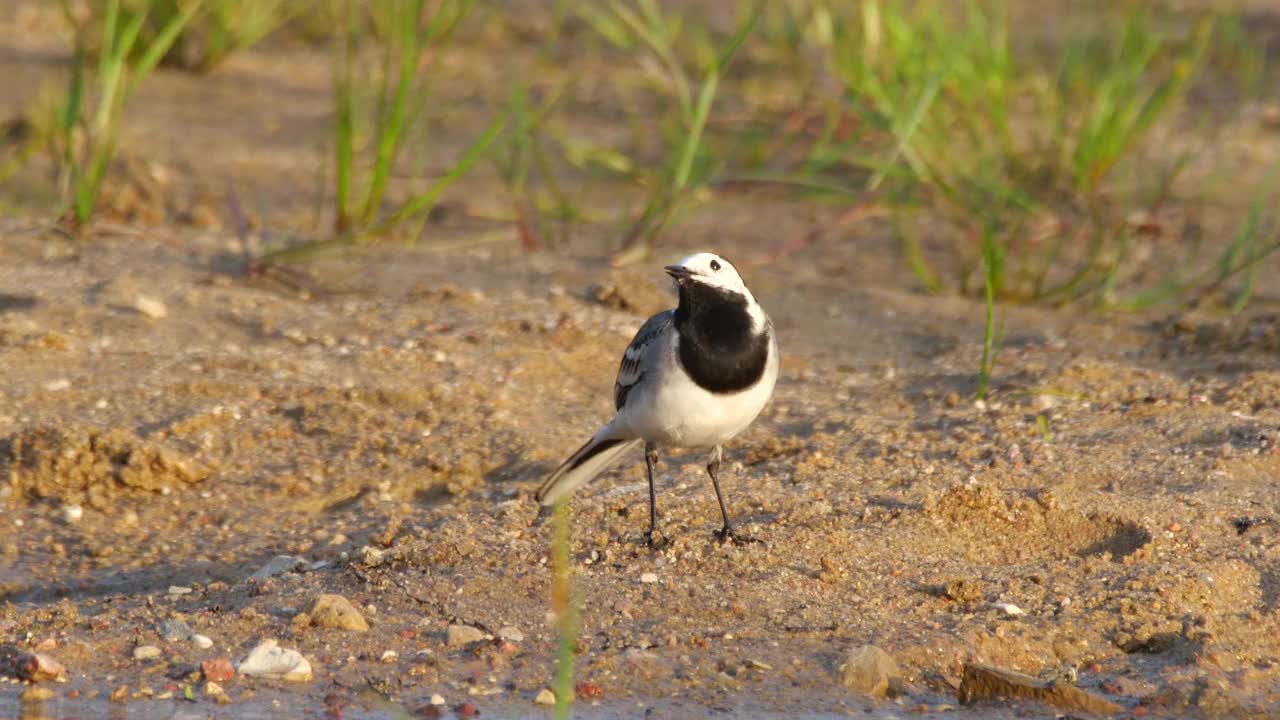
x=648 y=578
x=150 y=307
x=58 y=385
x=72 y=513
x=202 y=642
x=437 y=699
x=1009 y=609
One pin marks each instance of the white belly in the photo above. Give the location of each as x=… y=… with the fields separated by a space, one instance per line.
x=675 y=411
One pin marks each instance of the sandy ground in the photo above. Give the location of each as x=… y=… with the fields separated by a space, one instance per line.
x=170 y=423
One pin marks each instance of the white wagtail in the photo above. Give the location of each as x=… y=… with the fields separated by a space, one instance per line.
x=692 y=377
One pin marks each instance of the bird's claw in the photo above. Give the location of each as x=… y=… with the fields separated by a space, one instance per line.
x=727 y=535
x=656 y=540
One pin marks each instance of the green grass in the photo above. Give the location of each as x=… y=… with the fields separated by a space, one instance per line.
x=524 y=160
x=223 y=28
x=399 y=88
x=566 y=609
x=87 y=136
x=663 y=36
x=380 y=88
x=365 y=155
x=1030 y=154
x=981 y=132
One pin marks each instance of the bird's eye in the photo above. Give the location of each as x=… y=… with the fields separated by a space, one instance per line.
x=715 y=264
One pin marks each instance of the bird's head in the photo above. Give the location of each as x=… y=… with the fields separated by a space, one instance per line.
x=706 y=280
x=708 y=270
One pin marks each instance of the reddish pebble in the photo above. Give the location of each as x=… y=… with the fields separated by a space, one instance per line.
x=467 y=710
x=218 y=671
x=73 y=694
x=408 y=634
x=430 y=712
x=588 y=690
x=1175 y=527
x=1110 y=688
x=1140 y=711
x=1095 y=668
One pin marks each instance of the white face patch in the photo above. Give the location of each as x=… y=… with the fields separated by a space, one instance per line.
x=711 y=269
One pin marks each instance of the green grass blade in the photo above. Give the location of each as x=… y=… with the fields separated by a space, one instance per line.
x=391 y=128
x=344 y=114
x=565 y=607
x=422 y=204
x=991 y=268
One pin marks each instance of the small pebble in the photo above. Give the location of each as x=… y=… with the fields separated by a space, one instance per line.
x=649 y=578
x=150 y=307
x=146 y=652
x=269 y=660
x=437 y=700
x=201 y=641
x=545 y=697
x=72 y=513
x=1009 y=609
x=511 y=634
x=218 y=670
x=459 y=635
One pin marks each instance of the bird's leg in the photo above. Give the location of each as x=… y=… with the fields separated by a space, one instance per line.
x=726 y=533
x=651 y=535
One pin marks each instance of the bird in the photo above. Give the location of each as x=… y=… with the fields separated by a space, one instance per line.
x=693 y=377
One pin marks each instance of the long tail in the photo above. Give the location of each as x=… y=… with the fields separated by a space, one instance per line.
x=598 y=455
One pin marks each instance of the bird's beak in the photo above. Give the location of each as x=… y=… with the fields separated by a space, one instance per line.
x=679 y=272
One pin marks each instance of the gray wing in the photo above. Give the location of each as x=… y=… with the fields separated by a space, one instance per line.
x=633 y=369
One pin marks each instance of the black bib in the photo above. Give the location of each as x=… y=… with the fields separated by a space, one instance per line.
x=717 y=346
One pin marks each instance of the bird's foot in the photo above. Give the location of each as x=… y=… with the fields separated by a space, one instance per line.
x=656 y=540
x=727 y=535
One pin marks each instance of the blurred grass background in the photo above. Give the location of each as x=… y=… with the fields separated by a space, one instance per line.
x=1062 y=153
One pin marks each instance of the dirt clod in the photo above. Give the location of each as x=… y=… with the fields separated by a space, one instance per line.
x=334 y=611
x=76 y=465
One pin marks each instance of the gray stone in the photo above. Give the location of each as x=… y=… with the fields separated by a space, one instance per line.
x=511 y=634
x=869 y=671
x=278 y=565
x=175 y=630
